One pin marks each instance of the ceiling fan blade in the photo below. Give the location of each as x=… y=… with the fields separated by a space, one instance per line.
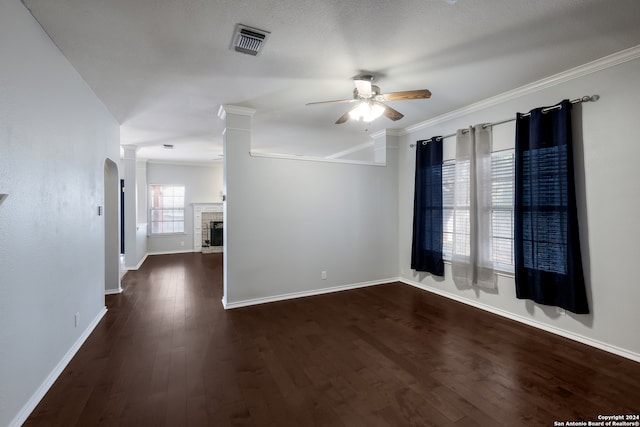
x=391 y=113
x=408 y=94
x=331 y=102
x=343 y=118
x=364 y=88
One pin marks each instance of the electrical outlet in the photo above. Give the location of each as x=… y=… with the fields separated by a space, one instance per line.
x=181 y=243
x=77 y=319
x=323 y=275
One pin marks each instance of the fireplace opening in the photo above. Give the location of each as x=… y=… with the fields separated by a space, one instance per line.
x=217 y=227
x=208 y=235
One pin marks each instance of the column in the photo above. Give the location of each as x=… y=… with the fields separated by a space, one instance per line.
x=236 y=140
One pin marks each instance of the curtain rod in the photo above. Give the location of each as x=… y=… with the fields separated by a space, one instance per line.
x=586 y=98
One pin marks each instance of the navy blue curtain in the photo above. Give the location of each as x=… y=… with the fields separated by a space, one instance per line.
x=548 y=263
x=426 y=249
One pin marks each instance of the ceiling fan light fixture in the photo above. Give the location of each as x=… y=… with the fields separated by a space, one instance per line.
x=370 y=103
x=366 y=111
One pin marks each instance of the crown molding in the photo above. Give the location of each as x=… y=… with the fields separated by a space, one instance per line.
x=235 y=109
x=609 y=61
x=388 y=132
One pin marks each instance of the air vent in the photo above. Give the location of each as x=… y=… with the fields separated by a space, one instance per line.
x=248 y=40
x=168 y=146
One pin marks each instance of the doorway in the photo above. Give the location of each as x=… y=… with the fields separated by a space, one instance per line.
x=122 y=217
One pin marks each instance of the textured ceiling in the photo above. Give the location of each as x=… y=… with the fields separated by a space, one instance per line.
x=163 y=68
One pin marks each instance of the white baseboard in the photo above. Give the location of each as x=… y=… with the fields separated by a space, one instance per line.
x=31 y=404
x=263 y=300
x=113 y=291
x=557 y=331
x=171 y=252
x=138 y=265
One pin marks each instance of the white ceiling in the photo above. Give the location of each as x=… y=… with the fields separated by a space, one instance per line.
x=163 y=68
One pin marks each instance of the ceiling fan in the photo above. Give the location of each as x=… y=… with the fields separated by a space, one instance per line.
x=369 y=100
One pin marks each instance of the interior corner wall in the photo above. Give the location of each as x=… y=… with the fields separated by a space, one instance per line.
x=55 y=136
x=129 y=172
x=203 y=184
x=607 y=150
x=141 y=212
x=289 y=220
x=134 y=172
x=141 y=192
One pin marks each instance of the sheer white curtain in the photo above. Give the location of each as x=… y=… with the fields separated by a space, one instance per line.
x=471 y=256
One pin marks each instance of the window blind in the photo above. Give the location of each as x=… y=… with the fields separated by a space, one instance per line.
x=448 y=183
x=502 y=185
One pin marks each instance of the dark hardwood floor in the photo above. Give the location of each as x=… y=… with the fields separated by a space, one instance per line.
x=167 y=354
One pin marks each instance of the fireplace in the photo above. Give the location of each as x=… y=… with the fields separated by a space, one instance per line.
x=217 y=228
x=208 y=227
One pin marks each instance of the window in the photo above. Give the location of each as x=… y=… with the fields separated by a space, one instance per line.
x=502 y=184
x=167 y=209
x=448 y=183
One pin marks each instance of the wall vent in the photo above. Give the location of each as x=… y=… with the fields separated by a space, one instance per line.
x=248 y=40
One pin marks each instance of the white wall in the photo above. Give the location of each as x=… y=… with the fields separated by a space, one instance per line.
x=289 y=220
x=55 y=136
x=141 y=213
x=111 y=228
x=129 y=172
x=203 y=184
x=141 y=192
x=607 y=174
x=134 y=172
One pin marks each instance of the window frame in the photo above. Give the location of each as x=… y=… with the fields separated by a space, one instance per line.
x=448 y=184
x=503 y=208
x=153 y=208
x=448 y=171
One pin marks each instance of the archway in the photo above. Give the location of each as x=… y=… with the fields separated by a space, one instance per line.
x=111 y=229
